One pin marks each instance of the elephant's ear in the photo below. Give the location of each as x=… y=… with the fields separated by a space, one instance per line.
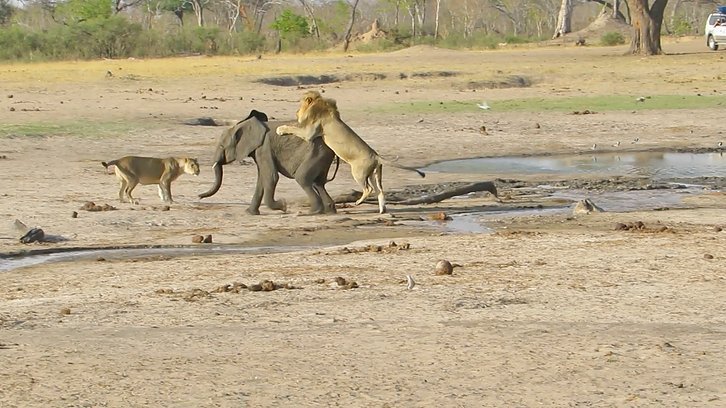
x=250 y=135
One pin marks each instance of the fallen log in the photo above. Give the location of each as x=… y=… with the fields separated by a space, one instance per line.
x=427 y=198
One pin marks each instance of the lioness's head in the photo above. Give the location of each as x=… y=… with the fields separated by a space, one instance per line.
x=313 y=107
x=191 y=166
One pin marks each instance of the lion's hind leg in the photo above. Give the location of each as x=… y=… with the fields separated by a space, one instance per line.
x=378 y=180
x=363 y=178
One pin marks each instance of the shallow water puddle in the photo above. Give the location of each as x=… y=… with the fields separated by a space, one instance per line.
x=656 y=165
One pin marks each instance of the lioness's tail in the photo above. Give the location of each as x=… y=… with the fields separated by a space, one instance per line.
x=111 y=163
x=390 y=163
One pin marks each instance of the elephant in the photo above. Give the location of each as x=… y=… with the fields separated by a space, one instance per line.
x=307 y=163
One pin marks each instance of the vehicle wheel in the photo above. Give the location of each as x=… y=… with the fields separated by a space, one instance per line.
x=712 y=43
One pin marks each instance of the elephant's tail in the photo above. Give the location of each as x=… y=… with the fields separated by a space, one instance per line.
x=337 y=165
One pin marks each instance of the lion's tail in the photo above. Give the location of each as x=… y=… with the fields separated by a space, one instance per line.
x=111 y=163
x=391 y=163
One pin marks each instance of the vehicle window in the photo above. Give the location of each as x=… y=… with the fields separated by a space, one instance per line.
x=712 y=20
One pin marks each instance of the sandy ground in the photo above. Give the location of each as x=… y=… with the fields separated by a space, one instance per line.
x=555 y=310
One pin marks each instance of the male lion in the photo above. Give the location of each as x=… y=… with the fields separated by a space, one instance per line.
x=319 y=117
x=132 y=170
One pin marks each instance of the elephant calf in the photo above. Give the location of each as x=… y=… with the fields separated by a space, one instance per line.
x=307 y=163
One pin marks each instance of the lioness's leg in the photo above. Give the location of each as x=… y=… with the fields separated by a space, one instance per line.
x=122 y=190
x=165 y=190
x=130 y=185
x=362 y=176
x=378 y=179
x=307 y=133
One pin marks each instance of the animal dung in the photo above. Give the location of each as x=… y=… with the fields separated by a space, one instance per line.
x=345 y=284
x=91 y=206
x=444 y=267
x=74 y=214
x=268 y=285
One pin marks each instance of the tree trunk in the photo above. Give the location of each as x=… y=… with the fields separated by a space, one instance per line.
x=646 y=22
x=311 y=13
x=671 y=22
x=346 y=38
x=616 y=6
x=198 y=7
x=436 y=27
x=413 y=21
x=564 y=19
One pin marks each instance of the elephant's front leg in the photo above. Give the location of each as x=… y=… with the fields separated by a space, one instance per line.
x=307 y=133
x=269 y=194
x=254 y=208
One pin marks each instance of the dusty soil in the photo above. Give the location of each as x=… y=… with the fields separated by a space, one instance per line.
x=558 y=310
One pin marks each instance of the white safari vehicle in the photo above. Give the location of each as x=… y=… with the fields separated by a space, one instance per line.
x=716 y=28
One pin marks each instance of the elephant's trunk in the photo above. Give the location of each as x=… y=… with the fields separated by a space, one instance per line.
x=218 y=173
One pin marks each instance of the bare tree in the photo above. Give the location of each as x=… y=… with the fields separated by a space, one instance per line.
x=646 y=20
x=198 y=8
x=564 y=19
x=438 y=13
x=308 y=9
x=346 y=38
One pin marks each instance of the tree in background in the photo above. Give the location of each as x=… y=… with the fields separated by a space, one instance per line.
x=564 y=19
x=346 y=36
x=646 y=20
x=6 y=12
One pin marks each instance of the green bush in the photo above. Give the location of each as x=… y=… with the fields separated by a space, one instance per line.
x=247 y=42
x=17 y=43
x=612 y=38
x=291 y=25
x=682 y=27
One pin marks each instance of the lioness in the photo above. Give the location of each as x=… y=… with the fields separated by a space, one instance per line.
x=132 y=170
x=319 y=117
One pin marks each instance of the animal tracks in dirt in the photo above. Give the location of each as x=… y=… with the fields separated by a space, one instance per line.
x=8 y=346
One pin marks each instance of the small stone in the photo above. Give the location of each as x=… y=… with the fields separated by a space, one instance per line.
x=65 y=311
x=207 y=239
x=255 y=287
x=100 y=259
x=444 y=267
x=707 y=256
x=74 y=214
x=268 y=285
x=165 y=208
x=717 y=229
x=197 y=239
x=12 y=109
x=621 y=227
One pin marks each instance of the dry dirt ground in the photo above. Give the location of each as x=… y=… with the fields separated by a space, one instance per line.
x=542 y=310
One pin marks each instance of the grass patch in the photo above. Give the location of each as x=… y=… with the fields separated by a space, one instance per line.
x=84 y=129
x=571 y=104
